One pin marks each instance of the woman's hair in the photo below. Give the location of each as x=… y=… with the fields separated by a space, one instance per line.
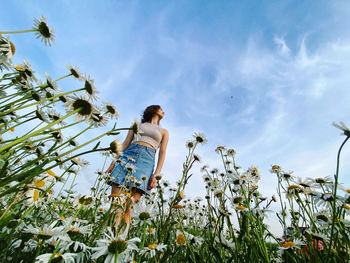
x=149 y=112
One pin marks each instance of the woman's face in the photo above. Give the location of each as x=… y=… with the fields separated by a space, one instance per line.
x=160 y=113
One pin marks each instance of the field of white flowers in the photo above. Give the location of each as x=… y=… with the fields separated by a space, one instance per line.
x=40 y=224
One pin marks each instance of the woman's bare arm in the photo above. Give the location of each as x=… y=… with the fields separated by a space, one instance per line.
x=162 y=151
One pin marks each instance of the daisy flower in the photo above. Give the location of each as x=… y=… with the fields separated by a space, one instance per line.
x=343 y=127
x=51 y=84
x=297 y=243
x=43 y=31
x=116 y=147
x=45 y=258
x=180 y=238
x=114 y=246
x=47 y=231
x=130 y=167
x=111 y=110
x=143 y=211
x=90 y=89
x=87 y=108
x=189 y=144
x=7 y=48
x=151 y=250
x=32 y=197
x=200 y=137
x=74 y=71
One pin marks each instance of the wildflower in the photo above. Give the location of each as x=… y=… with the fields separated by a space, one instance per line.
x=111 y=111
x=150 y=230
x=87 y=201
x=55 y=116
x=293 y=190
x=79 y=162
x=241 y=208
x=135 y=126
x=98 y=120
x=200 y=137
x=193 y=239
x=143 y=212
x=51 y=84
x=343 y=127
x=291 y=244
x=151 y=250
x=90 y=89
x=41 y=115
x=177 y=206
x=220 y=149
x=130 y=167
x=197 y=158
x=180 y=238
x=189 y=144
x=80 y=102
x=47 y=231
x=237 y=199
x=113 y=246
x=44 y=31
x=224 y=241
x=159 y=176
x=7 y=48
x=32 y=198
x=4 y=63
x=231 y=152
x=275 y=169
x=67 y=257
x=25 y=70
x=74 y=71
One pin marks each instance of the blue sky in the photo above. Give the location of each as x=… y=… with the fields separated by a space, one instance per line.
x=266 y=78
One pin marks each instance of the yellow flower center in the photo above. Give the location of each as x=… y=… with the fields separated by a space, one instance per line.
x=240 y=207
x=346 y=207
x=51 y=173
x=293 y=186
x=180 y=239
x=178 y=206
x=39 y=183
x=114 y=195
x=288 y=244
x=150 y=230
x=36 y=195
x=13 y=48
x=276 y=167
x=63 y=218
x=348 y=191
x=152 y=246
x=19 y=67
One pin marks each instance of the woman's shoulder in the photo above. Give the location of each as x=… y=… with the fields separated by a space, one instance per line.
x=164 y=131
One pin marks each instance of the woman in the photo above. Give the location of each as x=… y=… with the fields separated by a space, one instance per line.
x=139 y=154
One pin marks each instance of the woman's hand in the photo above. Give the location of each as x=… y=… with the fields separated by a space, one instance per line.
x=152 y=182
x=111 y=167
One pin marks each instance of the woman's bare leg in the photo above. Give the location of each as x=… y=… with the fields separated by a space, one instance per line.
x=117 y=190
x=135 y=196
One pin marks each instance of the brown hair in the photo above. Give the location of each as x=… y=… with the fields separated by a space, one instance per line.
x=149 y=112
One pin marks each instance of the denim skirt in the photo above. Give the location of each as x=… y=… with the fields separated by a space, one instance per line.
x=136 y=163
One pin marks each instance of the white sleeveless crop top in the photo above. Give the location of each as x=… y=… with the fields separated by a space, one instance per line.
x=150 y=133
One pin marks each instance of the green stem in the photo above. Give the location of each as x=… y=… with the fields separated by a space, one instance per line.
x=37 y=132
x=143 y=239
x=335 y=196
x=19 y=31
x=42 y=101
